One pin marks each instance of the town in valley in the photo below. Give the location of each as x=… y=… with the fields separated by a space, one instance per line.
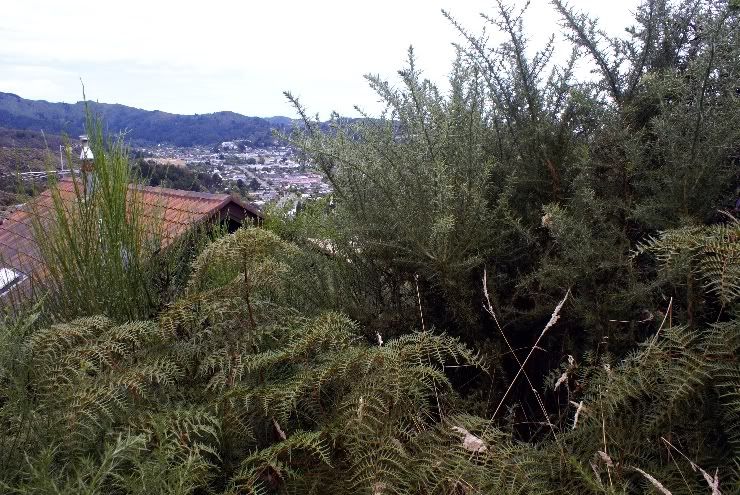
x=259 y=174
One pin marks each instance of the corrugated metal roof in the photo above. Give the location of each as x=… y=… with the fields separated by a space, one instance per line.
x=174 y=211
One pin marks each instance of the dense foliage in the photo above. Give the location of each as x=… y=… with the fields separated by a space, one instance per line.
x=527 y=284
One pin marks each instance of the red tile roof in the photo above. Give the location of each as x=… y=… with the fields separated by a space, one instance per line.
x=178 y=211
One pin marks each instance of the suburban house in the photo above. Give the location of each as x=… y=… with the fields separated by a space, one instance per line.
x=177 y=211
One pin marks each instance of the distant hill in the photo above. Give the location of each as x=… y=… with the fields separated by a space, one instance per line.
x=142 y=126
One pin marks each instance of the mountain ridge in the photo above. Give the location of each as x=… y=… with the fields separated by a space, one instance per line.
x=141 y=126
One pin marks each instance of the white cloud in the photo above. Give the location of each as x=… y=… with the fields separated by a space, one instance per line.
x=197 y=57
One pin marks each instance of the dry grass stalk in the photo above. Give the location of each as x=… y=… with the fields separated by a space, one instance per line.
x=665 y=316
x=603 y=433
x=279 y=430
x=553 y=319
x=712 y=481
x=418 y=297
x=579 y=408
x=564 y=377
x=489 y=309
x=561 y=380
x=360 y=408
x=605 y=457
x=657 y=484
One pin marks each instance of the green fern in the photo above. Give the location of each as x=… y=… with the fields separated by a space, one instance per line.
x=710 y=253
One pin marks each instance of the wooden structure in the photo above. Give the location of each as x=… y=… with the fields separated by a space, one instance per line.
x=176 y=212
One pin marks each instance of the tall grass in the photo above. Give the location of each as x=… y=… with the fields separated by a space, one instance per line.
x=96 y=246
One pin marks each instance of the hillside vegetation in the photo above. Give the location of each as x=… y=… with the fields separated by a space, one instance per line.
x=141 y=126
x=527 y=285
x=23 y=151
x=27 y=151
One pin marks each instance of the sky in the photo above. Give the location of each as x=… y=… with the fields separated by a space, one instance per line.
x=212 y=55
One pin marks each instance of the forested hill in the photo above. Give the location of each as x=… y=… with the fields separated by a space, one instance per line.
x=143 y=126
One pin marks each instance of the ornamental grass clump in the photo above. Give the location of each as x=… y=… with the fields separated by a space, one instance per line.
x=97 y=237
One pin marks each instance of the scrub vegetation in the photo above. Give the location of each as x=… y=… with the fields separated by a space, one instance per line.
x=529 y=283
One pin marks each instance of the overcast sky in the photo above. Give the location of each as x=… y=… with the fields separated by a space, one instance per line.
x=212 y=55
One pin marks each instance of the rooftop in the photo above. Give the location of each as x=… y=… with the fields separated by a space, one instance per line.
x=177 y=210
